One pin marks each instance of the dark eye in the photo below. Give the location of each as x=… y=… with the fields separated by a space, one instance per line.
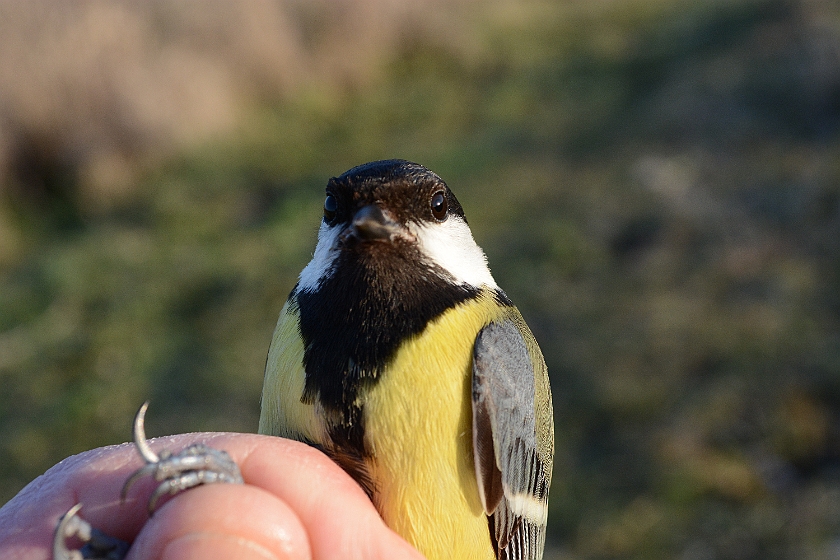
x=330 y=206
x=439 y=206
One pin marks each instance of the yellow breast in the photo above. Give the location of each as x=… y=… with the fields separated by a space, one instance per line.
x=419 y=427
x=281 y=411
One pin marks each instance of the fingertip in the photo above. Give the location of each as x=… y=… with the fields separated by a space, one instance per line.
x=222 y=521
x=201 y=546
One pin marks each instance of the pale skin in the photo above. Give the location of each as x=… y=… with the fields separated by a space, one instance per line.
x=295 y=503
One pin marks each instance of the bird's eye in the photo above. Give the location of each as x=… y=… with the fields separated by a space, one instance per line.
x=439 y=206
x=330 y=207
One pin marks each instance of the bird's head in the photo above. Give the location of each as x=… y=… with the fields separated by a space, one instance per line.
x=395 y=213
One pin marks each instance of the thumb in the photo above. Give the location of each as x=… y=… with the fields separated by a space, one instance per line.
x=222 y=521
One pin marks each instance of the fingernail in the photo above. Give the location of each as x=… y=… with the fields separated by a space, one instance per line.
x=207 y=546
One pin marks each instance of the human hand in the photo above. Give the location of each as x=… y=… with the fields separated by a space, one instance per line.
x=295 y=503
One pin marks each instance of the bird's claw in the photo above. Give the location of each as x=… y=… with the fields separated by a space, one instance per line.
x=98 y=545
x=197 y=464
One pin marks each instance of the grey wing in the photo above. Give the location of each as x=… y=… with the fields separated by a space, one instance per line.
x=513 y=437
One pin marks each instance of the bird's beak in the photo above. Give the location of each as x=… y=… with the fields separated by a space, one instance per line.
x=370 y=223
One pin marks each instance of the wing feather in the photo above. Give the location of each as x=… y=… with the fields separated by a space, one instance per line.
x=512 y=456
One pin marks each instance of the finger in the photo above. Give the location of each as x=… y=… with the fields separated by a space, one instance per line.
x=93 y=478
x=222 y=521
x=335 y=512
x=29 y=519
x=338 y=516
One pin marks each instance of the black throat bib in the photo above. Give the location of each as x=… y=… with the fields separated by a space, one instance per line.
x=378 y=295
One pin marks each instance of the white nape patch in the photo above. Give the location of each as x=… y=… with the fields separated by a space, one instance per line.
x=451 y=246
x=528 y=507
x=321 y=265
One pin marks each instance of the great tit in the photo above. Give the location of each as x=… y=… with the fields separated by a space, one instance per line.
x=399 y=356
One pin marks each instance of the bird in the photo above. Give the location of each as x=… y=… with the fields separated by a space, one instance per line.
x=399 y=356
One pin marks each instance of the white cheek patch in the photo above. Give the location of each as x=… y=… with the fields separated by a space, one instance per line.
x=321 y=265
x=451 y=246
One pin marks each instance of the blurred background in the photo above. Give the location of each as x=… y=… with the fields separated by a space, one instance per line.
x=656 y=183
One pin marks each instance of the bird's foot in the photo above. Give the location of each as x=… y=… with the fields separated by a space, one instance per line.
x=97 y=545
x=197 y=464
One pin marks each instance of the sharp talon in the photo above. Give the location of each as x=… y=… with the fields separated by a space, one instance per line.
x=140 y=436
x=137 y=475
x=156 y=495
x=195 y=465
x=143 y=448
x=98 y=545
x=69 y=526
